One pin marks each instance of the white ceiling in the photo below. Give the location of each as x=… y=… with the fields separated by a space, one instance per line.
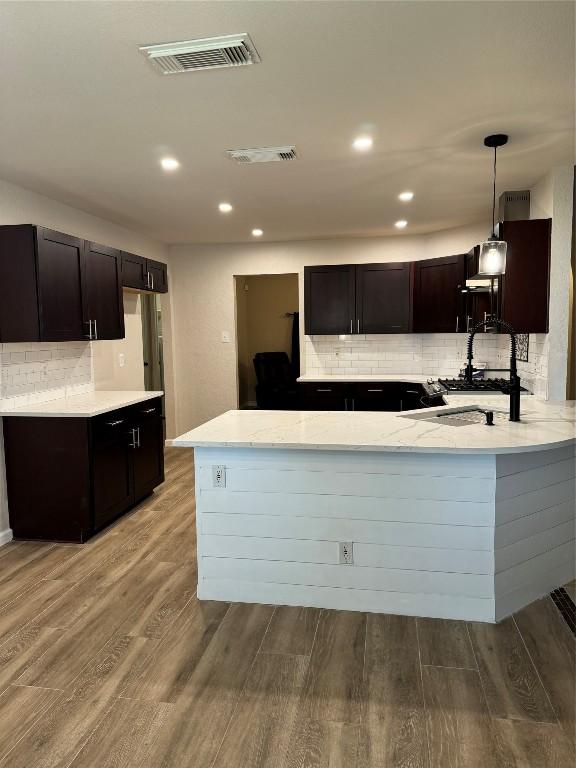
x=84 y=118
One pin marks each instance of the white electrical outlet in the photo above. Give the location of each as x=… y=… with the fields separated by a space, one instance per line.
x=346 y=553
x=218 y=476
x=121 y=360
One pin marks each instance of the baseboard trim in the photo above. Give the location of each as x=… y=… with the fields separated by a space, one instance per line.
x=6 y=536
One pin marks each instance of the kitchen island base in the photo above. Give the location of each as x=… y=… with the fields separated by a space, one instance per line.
x=473 y=536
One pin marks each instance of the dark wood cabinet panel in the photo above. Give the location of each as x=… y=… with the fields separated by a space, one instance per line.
x=526 y=282
x=148 y=456
x=362 y=396
x=102 y=291
x=112 y=470
x=438 y=298
x=144 y=274
x=19 y=319
x=330 y=299
x=158 y=272
x=48 y=478
x=69 y=477
x=383 y=297
x=134 y=272
x=59 y=272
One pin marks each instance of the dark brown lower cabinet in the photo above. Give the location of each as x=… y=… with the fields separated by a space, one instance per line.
x=363 y=396
x=69 y=477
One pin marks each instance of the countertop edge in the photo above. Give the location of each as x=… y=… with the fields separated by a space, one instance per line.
x=177 y=443
x=25 y=412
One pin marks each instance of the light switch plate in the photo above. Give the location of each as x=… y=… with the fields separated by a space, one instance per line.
x=121 y=360
x=225 y=337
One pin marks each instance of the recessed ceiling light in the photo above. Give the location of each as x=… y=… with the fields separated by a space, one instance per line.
x=169 y=163
x=401 y=224
x=225 y=208
x=363 y=143
x=406 y=196
x=257 y=232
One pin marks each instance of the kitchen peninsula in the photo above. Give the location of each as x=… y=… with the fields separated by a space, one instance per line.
x=409 y=513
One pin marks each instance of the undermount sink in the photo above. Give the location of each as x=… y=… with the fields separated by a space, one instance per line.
x=457 y=417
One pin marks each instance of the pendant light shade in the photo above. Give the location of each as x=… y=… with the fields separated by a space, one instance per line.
x=492 y=260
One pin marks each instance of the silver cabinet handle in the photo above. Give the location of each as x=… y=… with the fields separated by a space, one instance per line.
x=95 y=329
x=351 y=327
x=114 y=423
x=138 y=433
x=345 y=403
x=457 y=323
x=358 y=325
x=89 y=336
x=152 y=277
x=412 y=392
x=468 y=318
x=133 y=443
x=353 y=404
x=323 y=390
x=401 y=406
x=375 y=390
x=149 y=410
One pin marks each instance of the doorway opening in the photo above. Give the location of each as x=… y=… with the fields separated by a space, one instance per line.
x=266 y=322
x=152 y=342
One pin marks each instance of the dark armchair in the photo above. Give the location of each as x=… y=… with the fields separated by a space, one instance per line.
x=276 y=388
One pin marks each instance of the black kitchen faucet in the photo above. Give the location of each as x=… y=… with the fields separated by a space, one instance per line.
x=514 y=389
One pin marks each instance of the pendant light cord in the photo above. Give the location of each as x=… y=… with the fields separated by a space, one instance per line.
x=494 y=197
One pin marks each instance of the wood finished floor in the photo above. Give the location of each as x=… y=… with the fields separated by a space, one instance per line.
x=108 y=660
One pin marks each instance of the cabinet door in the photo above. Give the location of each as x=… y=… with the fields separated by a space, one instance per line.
x=438 y=298
x=324 y=396
x=111 y=469
x=158 y=276
x=148 y=455
x=102 y=291
x=526 y=282
x=479 y=305
x=383 y=297
x=134 y=272
x=59 y=268
x=330 y=300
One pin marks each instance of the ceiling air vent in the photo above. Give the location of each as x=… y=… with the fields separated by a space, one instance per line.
x=262 y=154
x=208 y=53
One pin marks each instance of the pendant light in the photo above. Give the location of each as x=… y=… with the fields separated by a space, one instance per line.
x=492 y=260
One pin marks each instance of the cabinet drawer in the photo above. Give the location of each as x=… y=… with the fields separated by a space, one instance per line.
x=321 y=396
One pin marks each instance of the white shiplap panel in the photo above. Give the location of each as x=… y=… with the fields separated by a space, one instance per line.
x=256 y=548
x=525 y=549
x=529 y=525
x=368 y=531
x=534 y=479
x=353 y=484
x=433 y=606
x=424 y=558
x=350 y=507
x=439 y=464
x=527 y=593
x=534 y=501
x=378 y=556
x=349 y=576
x=512 y=463
x=533 y=570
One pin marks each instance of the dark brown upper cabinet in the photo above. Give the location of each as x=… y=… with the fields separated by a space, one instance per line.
x=330 y=300
x=56 y=287
x=102 y=292
x=526 y=282
x=144 y=274
x=363 y=298
x=383 y=298
x=438 y=300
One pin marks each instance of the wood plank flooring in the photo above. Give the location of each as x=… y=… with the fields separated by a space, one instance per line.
x=108 y=659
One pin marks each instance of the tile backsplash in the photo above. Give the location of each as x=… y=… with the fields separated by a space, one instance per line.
x=428 y=354
x=36 y=372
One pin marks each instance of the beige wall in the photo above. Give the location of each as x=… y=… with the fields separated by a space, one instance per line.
x=19 y=206
x=203 y=302
x=262 y=302
x=108 y=374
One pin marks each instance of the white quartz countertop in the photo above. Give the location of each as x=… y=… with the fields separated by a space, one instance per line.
x=82 y=406
x=544 y=425
x=329 y=377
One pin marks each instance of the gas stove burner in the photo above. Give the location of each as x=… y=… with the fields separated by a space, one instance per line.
x=478 y=385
